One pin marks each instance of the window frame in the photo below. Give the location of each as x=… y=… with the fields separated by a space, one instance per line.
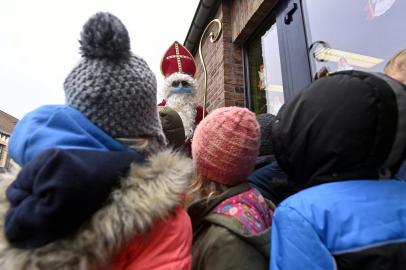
x=293 y=49
x=2 y=149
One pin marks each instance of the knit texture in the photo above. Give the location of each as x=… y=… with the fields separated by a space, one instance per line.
x=226 y=144
x=265 y=122
x=112 y=87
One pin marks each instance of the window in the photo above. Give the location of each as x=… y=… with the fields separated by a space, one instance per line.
x=264 y=70
x=301 y=39
x=348 y=34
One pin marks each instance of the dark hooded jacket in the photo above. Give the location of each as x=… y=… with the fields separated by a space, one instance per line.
x=336 y=137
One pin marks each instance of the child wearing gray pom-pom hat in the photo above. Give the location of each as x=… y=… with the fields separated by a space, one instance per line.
x=112 y=87
x=93 y=186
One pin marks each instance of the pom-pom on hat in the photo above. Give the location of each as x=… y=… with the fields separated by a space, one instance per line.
x=226 y=144
x=112 y=87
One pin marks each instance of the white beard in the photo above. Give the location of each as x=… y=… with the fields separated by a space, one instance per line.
x=185 y=106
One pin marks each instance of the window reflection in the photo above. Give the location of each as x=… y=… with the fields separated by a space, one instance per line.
x=349 y=34
x=266 y=88
x=272 y=70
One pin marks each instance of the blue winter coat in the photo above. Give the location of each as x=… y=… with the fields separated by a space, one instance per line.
x=343 y=225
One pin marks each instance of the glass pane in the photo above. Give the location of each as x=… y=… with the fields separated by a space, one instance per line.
x=272 y=70
x=265 y=71
x=348 y=34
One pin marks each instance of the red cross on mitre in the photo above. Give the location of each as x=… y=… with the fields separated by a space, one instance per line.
x=177 y=59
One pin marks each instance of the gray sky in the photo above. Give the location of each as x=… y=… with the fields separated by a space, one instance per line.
x=39 y=42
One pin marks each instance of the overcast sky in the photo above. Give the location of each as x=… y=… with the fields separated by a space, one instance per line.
x=39 y=42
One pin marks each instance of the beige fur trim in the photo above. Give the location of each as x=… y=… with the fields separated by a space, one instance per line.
x=150 y=191
x=5 y=180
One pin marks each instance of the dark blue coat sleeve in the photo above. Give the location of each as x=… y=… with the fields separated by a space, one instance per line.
x=58 y=190
x=296 y=245
x=271 y=182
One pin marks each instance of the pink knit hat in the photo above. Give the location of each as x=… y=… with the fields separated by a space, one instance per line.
x=226 y=144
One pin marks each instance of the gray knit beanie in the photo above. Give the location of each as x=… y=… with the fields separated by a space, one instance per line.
x=113 y=88
x=265 y=122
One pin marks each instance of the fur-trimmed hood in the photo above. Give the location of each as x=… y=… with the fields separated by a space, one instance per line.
x=150 y=191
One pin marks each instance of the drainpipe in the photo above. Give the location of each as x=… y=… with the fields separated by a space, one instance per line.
x=205 y=10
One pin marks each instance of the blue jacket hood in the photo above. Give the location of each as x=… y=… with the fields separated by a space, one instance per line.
x=357 y=224
x=58 y=126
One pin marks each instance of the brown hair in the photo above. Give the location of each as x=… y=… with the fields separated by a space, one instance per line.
x=203 y=188
x=396 y=63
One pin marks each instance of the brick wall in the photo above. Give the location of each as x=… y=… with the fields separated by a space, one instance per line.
x=247 y=16
x=233 y=62
x=224 y=59
x=242 y=11
x=224 y=66
x=213 y=57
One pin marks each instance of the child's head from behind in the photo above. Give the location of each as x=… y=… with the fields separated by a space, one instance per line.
x=111 y=86
x=350 y=125
x=396 y=67
x=225 y=145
